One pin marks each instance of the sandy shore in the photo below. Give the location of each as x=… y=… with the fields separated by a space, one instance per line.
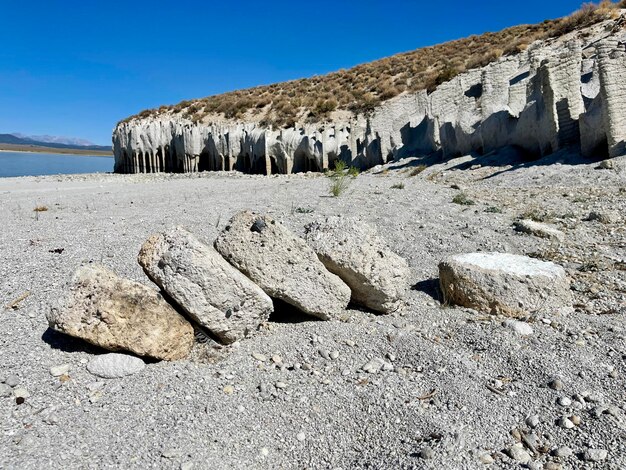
x=53 y=150
x=437 y=409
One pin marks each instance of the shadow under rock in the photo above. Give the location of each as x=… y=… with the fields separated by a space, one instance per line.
x=68 y=343
x=429 y=287
x=285 y=313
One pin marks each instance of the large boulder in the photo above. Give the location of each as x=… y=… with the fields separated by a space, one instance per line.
x=502 y=283
x=282 y=264
x=353 y=251
x=206 y=287
x=121 y=315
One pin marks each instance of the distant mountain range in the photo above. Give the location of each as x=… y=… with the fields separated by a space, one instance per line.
x=51 y=141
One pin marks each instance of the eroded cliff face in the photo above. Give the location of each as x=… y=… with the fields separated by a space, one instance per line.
x=558 y=93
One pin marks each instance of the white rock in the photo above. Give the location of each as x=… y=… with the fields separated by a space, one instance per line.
x=206 y=287
x=519 y=327
x=5 y=391
x=113 y=365
x=374 y=366
x=378 y=278
x=501 y=283
x=58 y=371
x=519 y=454
x=283 y=265
x=539 y=230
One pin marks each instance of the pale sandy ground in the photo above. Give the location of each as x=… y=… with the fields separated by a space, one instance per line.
x=176 y=415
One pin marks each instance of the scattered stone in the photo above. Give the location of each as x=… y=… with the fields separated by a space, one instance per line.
x=502 y=283
x=186 y=465
x=58 y=371
x=575 y=419
x=229 y=390
x=556 y=384
x=276 y=359
x=594 y=455
x=207 y=288
x=606 y=165
x=519 y=327
x=427 y=453
x=259 y=357
x=519 y=454
x=538 y=229
x=5 y=391
x=354 y=251
x=486 y=459
x=553 y=466
x=334 y=355
x=564 y=401
x=532 y=421
x=121 y=315
x=374 y=366
x=565 y=422
x=604 y=217
x=281 y=385
x=283 y=265
x=300 y=436
x=12 y=381
x=20 y=392
x=113 y=365
x=562 y=452
x=324 y=354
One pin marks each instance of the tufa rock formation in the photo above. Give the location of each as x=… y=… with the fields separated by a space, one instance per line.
x=504 y=284
x=558 y=93
x=204 y=285
x=282 y=264
x=121 y=315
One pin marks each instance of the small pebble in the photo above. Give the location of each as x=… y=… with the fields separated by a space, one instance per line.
x=553 y=466
x=532 y=421
x=259 y=357
x=334 y=355
x=556 y=384
x=276 y=359
x=186 y=465
x=300 y=436
x=519 y=327
x=5 y=390
x=12 y=381
x=575 y=419
x=265 y=452
x=565 y=422
x=562 y=452
x=427 y=453
x=324 y=354
x=519 y=454
x=564 y=401
x=281 y=385
x=486 y=459
x=229 y=389
x=595 y=455
x=58 y=371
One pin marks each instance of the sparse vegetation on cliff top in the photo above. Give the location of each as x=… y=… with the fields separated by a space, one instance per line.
x=363 y=87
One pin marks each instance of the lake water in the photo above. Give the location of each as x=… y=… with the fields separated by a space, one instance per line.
x=36 y=164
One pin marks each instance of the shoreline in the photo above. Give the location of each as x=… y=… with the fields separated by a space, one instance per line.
x=53 y=150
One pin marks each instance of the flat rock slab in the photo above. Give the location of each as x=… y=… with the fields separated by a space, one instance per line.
x=502 y=283
x=121 y=315
x=206 y=287
x=113 y=366
x=282 y=264
x=538 y=229
x=353 y=251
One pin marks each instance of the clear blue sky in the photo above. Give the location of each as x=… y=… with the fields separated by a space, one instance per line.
x=75 y=68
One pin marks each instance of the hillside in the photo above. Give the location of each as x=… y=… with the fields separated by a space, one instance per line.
x=362 y=88
x=18 y=143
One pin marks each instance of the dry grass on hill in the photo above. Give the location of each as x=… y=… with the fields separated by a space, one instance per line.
x=363 y=87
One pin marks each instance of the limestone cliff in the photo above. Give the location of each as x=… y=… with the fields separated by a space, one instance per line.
x=569 y=91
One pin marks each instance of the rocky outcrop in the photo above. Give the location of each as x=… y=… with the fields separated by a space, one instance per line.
x=353 y=251
x=204 y=285
x=502 y=283
x=282 y=264
x=556 y=94
x=121 y=315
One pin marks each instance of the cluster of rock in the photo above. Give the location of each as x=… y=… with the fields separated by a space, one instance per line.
x=227 y=289
x=559 y=93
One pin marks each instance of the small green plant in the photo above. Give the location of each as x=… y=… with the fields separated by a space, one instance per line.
x=340 y=179
x=304 y=210
x=398 y=186
x=493 y=210
x=536 y=215
x=417 y=170
x=353 y=171
x=463 y=200
x=40 y=209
